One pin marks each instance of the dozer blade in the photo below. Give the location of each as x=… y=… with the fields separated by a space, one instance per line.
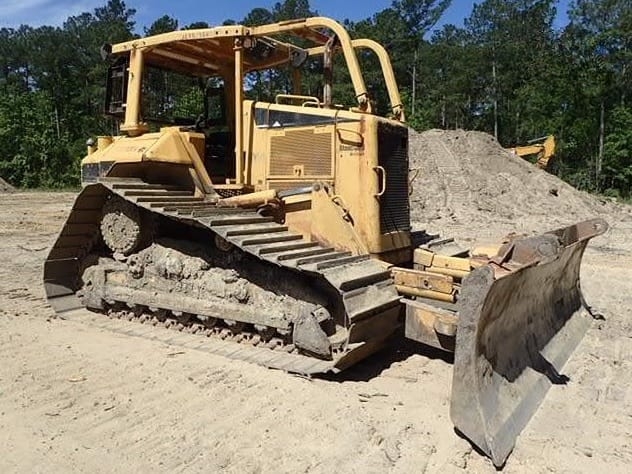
x=519 y=322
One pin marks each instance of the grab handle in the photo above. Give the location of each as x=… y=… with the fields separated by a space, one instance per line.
x=380 y=169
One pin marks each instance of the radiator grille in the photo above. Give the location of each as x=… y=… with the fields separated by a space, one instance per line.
x=312 y=151
x=393 y=157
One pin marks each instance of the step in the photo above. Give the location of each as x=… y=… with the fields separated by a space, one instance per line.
x=216 y=221
x=186 y=212
x=269 y=238
x=220 y=211
x=157 y=193
x=341 y=261
x=154 y=201
x=306 y=253
x=192 y=206
x=286 y=247
x=350 y=282
x=322 y=258
x=254 y=229
x=357 y=274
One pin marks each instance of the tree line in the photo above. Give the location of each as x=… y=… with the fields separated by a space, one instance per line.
x=507 y=71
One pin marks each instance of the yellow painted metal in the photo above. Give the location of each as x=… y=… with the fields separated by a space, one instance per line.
x=249 y=199
x=456 y=267
x=104 y=141
x=181 y=35
x=423 y=257
x=423 y=280
x=387 y=70
x=333 y=226
x=315 y=23
x=304 y=99
x=452 y=263
x=239 y=97
x=545 y=150
x=123 y=149
x=430 y=259
x=332 y=146
x=449 y=271
x=389 y=76
x=131 y=124
x=309 y=26
x=180 y=147
x=420 y=292
x=170 y=145
x=344 y=148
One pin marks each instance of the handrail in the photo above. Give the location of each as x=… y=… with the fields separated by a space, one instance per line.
x=315 y=23
x=308 y=99
x=387 y=71
x=389 y=76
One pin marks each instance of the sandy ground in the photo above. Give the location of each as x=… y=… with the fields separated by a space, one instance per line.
x=77 y=398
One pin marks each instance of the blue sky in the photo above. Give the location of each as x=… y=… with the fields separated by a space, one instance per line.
x=54 y=12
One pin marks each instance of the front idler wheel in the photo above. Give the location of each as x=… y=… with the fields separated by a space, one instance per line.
x=123 y=228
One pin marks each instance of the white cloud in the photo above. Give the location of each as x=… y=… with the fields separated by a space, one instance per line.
x=14 y=13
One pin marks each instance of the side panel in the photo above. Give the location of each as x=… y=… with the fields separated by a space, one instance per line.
x=292 y=147
x=362 y=158
x=171 y=148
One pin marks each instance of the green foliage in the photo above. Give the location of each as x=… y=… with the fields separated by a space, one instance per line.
x=51 y=94
x=164 y=24
x=36 y=153
x=617 y=162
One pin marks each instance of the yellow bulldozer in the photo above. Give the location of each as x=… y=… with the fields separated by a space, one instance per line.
x=281 y=230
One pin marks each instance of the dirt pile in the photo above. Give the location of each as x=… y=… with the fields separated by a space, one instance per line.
x=5 y=187
x=465 y=179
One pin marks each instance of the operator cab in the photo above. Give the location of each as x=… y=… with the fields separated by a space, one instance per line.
x=201 y=80
x=178 y=98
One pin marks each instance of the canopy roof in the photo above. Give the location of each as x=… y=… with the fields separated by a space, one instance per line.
x=209 y=51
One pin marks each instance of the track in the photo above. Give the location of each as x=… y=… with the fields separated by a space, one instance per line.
x=361 y=286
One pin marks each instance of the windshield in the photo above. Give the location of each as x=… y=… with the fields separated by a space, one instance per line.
x=171 y=97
